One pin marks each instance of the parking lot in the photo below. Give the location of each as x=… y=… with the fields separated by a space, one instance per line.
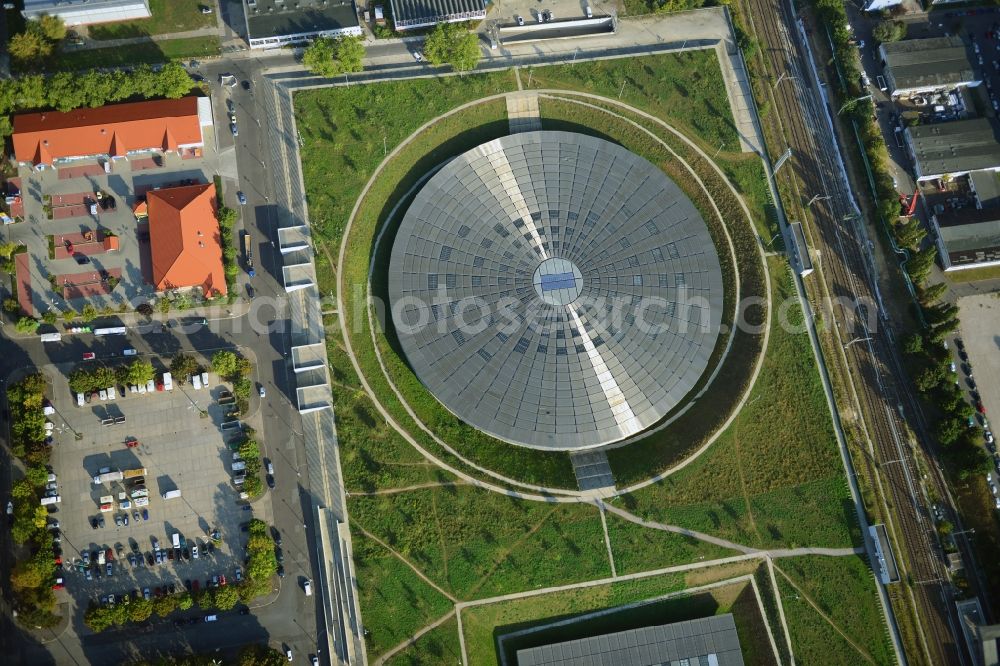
x=980 y=317
x=179 y=449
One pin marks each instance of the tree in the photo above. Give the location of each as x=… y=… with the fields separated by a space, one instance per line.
x=7 y=249
x=139 y=371
x=70 y=314
x=164 y=606
x=11 y=305
x=889 y=31
x=89 y=313
x=98 y=618
x=260 y=655
x=225 y=597
x=452 y=44
x=227 y=217
x=26 y=325
x=932 y=293
x=184 y=600
x=139 y=610
x=332 y=57
x=224 y=363
x=51 y=27
x=913 y=343
x=173 y=81
x=29 y=47
x=36 y=476
x=183 y=365
x=104 y=376
x=948 y=430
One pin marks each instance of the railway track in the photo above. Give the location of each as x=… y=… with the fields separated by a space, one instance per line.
x=849 y=277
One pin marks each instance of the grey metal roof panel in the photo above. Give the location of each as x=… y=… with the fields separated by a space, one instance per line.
x=924 y=63
x=274 y=18
x=566 y=375
x=955 y=147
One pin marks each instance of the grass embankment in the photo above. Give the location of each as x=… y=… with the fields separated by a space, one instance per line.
x=438 y=646
x=167 y=16
x=774 y=477
x=446 y=138
x=346 y=133
x=135 y=54
x=843 y=589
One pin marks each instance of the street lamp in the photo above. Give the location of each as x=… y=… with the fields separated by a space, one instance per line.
x=852 y=102
x=866 y=338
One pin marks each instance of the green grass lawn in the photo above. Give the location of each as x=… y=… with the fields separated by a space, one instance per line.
x=133 y=54
x=448 y=137
x=774 y=477
x=476 y=543
x=685 y=88
x=638 y=548
x=481 y=623
x=395 y=601
x=343 y=128
x=437 y=646
x=828 y=581
x=168 y=16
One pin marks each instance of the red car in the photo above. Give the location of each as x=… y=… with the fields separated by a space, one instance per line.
x=131 y=443
x=981 y=408
x=110 y=555
x=89 y=356
x=222 y=581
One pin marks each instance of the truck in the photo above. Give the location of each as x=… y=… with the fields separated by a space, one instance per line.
x=107 y=475
x=171 y=494
x=107 y=504
x=51 y=500
x=133 y=473
x=139 y=492
x=248 y=253
x=141 y=501
x=177 y=541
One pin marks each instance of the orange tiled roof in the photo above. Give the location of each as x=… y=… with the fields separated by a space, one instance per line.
x=111 y=243
x=117 y=129
x=184 y=239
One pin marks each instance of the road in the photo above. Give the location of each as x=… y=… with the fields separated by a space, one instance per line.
x=880 y=384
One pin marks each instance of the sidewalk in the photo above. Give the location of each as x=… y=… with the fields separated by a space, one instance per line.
x=89 y=44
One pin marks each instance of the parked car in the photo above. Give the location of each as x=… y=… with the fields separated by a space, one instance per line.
x=242 y=198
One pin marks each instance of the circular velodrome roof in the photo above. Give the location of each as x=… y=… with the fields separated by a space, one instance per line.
x=504 y=279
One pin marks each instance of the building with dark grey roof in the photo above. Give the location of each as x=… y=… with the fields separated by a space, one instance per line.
x=986 y=186
x=954 y=148
x=555 y=290
x=968 y=238
x=916 y=66
x=709 y=641
x=274 y=23
x=87 y=12
x=412 y=14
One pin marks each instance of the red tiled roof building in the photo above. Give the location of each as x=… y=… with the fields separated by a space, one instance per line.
x=185 y=241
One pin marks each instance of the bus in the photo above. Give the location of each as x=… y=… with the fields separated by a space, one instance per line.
x=248 y=253
x=114 y=330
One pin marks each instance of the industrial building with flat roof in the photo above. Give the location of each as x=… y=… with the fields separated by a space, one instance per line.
x=412 y=14
x=41 y=139
x=917 y=66
x=274 y=23
x=954 y=148
x=87 y=12
x=709 y=641
x=968 y=238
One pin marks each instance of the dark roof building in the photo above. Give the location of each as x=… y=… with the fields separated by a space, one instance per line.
x=954 y=148
x=916 y=66
x=87 y=12
x=555 y=290
x=968 y=238
x=710 y=640
x=411 y=14
x=986 y=186
x=274 y=23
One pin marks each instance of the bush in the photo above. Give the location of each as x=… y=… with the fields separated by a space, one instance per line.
x=26 y=325
x=11 y=305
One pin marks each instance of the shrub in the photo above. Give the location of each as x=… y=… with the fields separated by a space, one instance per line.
x=26 y=325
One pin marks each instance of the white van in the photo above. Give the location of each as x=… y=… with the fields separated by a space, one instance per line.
x=111 y=393
x=150 y=386
x=171 y=494
x=308 y=588
x=79 y=400
x=130 y=352
x=211 y=618
x=168 y=382
x=204 y=379
x=196 y=380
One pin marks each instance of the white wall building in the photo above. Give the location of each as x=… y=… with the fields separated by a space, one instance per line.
x=87 y=12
